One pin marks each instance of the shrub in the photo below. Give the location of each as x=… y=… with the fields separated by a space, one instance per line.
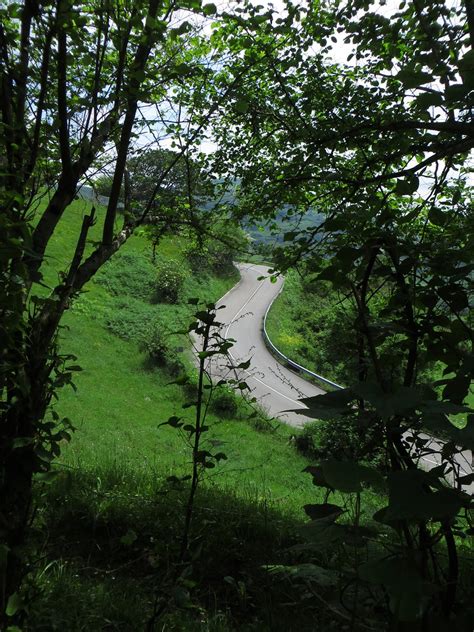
x=169 y=281
x=216 y=253
x=161 y=353
x=130 y=318
x=224 y=402
x=341 y=438
x=128 y=274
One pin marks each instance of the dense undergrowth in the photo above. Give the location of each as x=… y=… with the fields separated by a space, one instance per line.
x=313 y=325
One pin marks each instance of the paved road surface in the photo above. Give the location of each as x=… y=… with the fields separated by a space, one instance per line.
x=276 y=387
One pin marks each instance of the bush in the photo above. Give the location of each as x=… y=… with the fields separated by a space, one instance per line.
x=156 y=342
x=170 y=277
x=128 y=273
x=342 y=438
x=224 y=402
x=216 y=253
x=130 y=318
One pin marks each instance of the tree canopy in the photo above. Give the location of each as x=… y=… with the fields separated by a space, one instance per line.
x=379 y=145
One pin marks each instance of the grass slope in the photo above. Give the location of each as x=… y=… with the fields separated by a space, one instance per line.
x=110 y=504
x=119 y=402
x=305 y=326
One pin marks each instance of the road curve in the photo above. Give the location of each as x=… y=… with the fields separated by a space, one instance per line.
x=276 y=388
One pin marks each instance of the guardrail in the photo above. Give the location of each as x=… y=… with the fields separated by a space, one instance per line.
x=288 y=360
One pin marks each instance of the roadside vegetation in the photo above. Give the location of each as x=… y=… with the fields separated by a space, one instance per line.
x=136 y=491
x=311 y=324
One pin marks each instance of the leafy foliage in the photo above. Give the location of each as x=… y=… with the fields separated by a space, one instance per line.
x=74 y=77
x=129 y=273
x=378 y=147
x=169 y=282
x=342 y=438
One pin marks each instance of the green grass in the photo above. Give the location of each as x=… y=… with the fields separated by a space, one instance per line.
x=119 y=402
x=112 y=476
x=306 y=327
x=108 y=526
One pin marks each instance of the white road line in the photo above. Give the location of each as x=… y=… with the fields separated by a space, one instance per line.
x=226 y=333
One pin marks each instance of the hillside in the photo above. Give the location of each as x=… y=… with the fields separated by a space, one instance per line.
x=110 y=498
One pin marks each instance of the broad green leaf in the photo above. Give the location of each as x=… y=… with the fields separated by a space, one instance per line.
x=456 y=92
x=436 y=216
x=14 y=604
x=408 y=186
x=317 y=473
x=323 y=511
x=129 y=538
x=409 y=593
x=242 y=106
x=209 y=9
x=349 y=476
x=412 y=78
x=411 y=499
x=326 y=406
x=429 y=99
x=466 y=69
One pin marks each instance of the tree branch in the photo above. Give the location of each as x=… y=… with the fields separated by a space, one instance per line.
x=135 y=81
x=64 y=140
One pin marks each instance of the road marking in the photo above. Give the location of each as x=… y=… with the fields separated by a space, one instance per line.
x=259 y=287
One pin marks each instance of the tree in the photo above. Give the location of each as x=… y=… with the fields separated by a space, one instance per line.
x=184 y=180
x=79 y=81
x=381 y=149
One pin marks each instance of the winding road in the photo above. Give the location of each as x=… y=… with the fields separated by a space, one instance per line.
x=276 y=388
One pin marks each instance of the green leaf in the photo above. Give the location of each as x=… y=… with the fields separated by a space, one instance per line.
x=429 y=99
x=47 y=477
x=174 y=422
x=183 y=69
x=456 y=92
x=307 y=572
x=206 y=317
x=317 y=473
x=349 y=476
x=242 y=365
x=411 y=499
x=21 y=442
x=326 y=406
x=409 y=593
x=412 y=78
x=436 y=216
x=242 y=106
x=408 y=186
x=209 y=9
x=387 y=404
x=129 y=538
x=15 y=603
x=323 y=511
x=466 y=69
